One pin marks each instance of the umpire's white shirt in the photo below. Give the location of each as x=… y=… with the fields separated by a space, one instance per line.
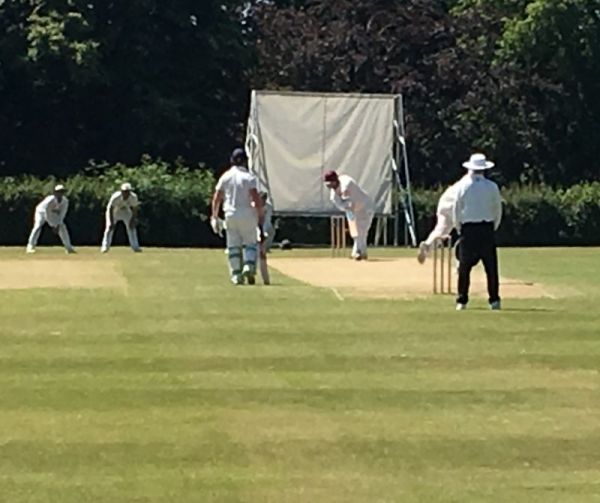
x=477 y=200
x=236 y=184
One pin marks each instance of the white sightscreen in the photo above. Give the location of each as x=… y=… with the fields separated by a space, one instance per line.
x=294 y=138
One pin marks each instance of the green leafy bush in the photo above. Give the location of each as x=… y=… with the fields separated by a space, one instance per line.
x=534 y=215
x=174 y=204
x=175 y=207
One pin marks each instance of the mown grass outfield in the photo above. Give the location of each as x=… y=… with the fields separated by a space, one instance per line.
x=182 y=388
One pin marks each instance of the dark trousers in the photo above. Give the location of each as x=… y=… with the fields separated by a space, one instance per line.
x=477 y=242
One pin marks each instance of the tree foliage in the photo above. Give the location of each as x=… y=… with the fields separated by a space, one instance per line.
x=111 y=80
x=516 y=79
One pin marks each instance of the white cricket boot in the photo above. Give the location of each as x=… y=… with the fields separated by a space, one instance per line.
x=461 y=307
x=30 y=249
x=237 y=279
x=249 y=273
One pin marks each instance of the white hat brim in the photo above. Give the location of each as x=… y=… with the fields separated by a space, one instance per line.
x=476 y=167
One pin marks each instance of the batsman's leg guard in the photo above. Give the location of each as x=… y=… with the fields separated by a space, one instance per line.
x=250 y=255
x=234 y=257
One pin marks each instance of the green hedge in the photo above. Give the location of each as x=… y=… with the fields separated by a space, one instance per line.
x=536 y=215
x=175 y=204
x=533 y=216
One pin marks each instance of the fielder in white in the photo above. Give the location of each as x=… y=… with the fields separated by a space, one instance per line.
x=52 y=211
x=350 y=198
x=123 y=206
x=237 y=192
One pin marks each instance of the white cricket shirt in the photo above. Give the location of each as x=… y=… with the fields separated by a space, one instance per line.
x=236 y=184
x=52 y=209
x=117 y=202
x=349 y=196
x=477 y=200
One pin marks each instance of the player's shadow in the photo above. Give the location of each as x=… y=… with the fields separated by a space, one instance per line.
x=517 y=309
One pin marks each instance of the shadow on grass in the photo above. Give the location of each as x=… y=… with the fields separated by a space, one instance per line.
x=516 y=309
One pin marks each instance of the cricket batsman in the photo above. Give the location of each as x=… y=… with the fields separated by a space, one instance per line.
x=52 y=211
x=237 y=193
x=350 y=198
x=123 y=206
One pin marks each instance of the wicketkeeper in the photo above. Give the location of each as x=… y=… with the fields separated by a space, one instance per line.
x=123 y=206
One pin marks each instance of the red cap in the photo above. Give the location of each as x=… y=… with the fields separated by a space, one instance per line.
x=330 y=176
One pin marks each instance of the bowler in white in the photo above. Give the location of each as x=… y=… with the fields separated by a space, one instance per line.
x=52 y=211
x=123 y=206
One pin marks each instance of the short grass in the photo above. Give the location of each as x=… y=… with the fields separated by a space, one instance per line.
x=186 y=389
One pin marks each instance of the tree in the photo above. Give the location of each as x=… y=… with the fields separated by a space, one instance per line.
x=113 y=80
x=405 y=47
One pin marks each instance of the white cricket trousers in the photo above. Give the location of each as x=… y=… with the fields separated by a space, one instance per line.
x=443 y=227
x=38 y=223
x=242 y=244
x=363 y=224
x=125 y=217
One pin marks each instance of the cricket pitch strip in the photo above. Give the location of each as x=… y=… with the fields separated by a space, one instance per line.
x=392 y=278
x=63 y=273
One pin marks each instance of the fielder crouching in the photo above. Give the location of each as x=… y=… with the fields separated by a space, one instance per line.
x=123 y=206
x=52 y=211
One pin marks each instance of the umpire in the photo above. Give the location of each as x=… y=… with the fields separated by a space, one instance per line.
x=477 y=213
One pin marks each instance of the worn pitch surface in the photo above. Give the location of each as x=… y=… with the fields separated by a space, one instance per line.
x=394 y=277
x=59 y=273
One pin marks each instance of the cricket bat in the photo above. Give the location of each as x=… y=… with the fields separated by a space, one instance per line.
x=264 y=268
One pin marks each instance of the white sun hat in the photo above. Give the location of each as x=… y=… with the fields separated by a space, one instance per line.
x=126 y=187
x=59 y=188
x=478 y=162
